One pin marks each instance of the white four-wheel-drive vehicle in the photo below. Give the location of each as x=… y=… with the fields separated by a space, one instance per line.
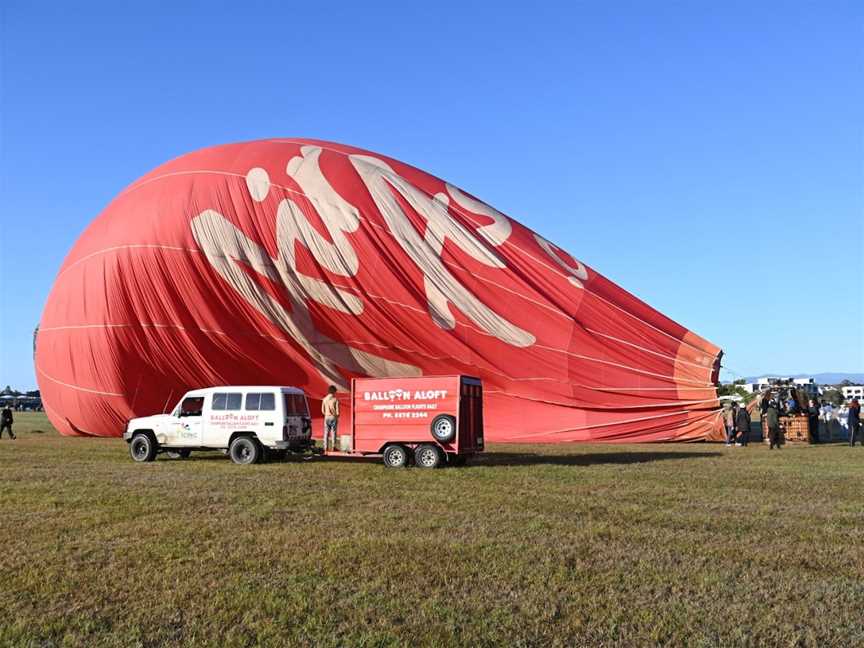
x=247 y=422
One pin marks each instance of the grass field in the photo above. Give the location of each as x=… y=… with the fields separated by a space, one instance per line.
x=691 y=545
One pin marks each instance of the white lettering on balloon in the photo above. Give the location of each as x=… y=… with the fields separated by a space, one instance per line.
x=228 y=249
x=576 y=274
x=225 y=245
x=441 y=287
x=496 y=233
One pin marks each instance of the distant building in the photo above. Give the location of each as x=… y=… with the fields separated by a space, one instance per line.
x=807 y=386
x=763 y=383
x=852 y=391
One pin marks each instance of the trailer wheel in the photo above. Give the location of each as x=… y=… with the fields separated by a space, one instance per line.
x=142 y=447
x=444 y=428
x=428 y=456
x=396 y=456
x=244 y=450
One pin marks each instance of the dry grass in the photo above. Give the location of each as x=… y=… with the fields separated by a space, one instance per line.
x=572 y=545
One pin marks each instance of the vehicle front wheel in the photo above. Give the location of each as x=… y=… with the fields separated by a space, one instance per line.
x=428 y=456
x=142 y=448
x=244 y=450
x=396 y=456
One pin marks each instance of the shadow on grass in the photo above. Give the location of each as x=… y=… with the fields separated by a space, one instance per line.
x=588 y=459
x=491 y=459
x=216 y=455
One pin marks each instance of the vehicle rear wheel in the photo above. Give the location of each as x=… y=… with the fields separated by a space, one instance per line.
x=444 y=428
x=428 y=456
x=396 y=456
x=142 y=447
x=245 y=450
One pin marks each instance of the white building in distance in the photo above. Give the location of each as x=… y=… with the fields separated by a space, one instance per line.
x=805 y=386
x=852 y=391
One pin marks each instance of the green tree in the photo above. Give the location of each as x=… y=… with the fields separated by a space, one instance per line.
x=735 y=390
x=833 y=396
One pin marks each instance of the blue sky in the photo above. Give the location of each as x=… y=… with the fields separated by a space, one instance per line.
x=702 y=155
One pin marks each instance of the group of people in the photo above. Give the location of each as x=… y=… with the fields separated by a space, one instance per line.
x=736 y=419
x=820 y=418
x=846 y=419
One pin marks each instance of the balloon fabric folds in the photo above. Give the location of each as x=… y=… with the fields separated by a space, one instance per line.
x=306 y=263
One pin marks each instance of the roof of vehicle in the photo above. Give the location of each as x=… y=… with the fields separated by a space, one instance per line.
x=243 y=388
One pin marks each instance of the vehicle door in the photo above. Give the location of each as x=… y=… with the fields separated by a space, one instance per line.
x=189 y=422
x=262 y=416
x=223 y=417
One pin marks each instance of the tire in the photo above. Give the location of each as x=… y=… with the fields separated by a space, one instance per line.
x=245 y=450
x=396 y=456
x=444 y=428
x=142 y=448
x=427 y=455
x=183 y=453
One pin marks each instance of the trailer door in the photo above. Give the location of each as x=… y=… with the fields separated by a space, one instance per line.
x=470 y=414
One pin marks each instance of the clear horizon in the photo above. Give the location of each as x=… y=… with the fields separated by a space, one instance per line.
x=708 y=159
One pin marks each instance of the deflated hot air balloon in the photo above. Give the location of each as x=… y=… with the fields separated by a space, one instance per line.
x=306 y=263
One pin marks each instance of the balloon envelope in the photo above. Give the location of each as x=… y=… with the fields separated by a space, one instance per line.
x=306 y=263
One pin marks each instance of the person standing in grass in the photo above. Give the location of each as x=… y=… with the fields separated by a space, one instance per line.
x=330 y=410
x=772 y=420
x=826 y=415
x=855 y=422
x=742 y=425
x=729 y=422
x=6 y=421
x=813 y=421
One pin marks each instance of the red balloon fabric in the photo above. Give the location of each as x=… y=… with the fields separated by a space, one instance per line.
x=305 y=263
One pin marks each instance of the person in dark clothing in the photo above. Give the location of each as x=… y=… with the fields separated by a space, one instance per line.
x=6 y=421
x=742 y=426
x=772 y=420
x=794 y=402
x=763 y=405
x=813 y=421
x=855 y=422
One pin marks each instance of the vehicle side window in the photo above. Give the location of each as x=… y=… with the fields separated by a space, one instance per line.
x=225 y=401
x=192 y=406
x=260 y=401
